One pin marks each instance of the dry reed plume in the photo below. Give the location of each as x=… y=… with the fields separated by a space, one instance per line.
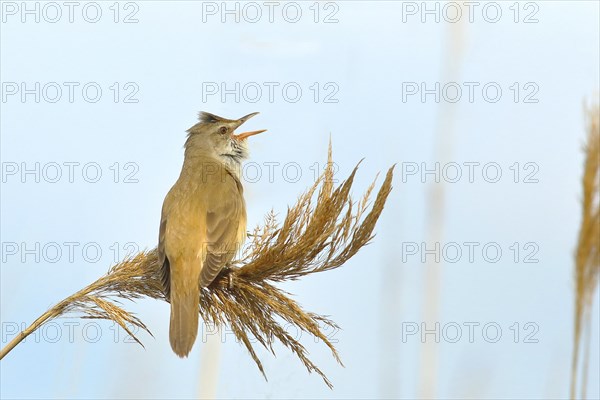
x=587 y=253
x=320 y=232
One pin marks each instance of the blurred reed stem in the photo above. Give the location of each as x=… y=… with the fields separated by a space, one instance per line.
x=587 y=253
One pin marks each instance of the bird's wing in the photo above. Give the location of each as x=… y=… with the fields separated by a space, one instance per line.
x=163 y=261
x=163 y=258
x=225 y=227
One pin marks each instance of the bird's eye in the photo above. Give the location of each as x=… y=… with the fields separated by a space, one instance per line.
x=223 y=130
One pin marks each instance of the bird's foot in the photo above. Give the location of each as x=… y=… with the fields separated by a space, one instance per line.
x=228 y=270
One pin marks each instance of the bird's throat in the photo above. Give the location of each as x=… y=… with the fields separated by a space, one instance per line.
x=233 y=163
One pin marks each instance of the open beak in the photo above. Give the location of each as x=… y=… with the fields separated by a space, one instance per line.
x=244 y=135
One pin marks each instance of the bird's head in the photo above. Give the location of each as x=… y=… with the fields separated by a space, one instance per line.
x=215 y=136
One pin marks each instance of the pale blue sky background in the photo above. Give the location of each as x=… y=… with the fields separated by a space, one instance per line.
x=368 y=54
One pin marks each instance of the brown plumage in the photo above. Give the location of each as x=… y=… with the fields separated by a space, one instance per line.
x=203 y=221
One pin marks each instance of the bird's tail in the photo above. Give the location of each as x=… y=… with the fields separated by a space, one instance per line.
x=184 y=319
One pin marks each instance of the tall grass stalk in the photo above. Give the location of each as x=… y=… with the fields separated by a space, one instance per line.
x=587 y=254
x=323 y=230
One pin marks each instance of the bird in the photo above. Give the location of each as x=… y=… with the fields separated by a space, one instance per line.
x=203 y=220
